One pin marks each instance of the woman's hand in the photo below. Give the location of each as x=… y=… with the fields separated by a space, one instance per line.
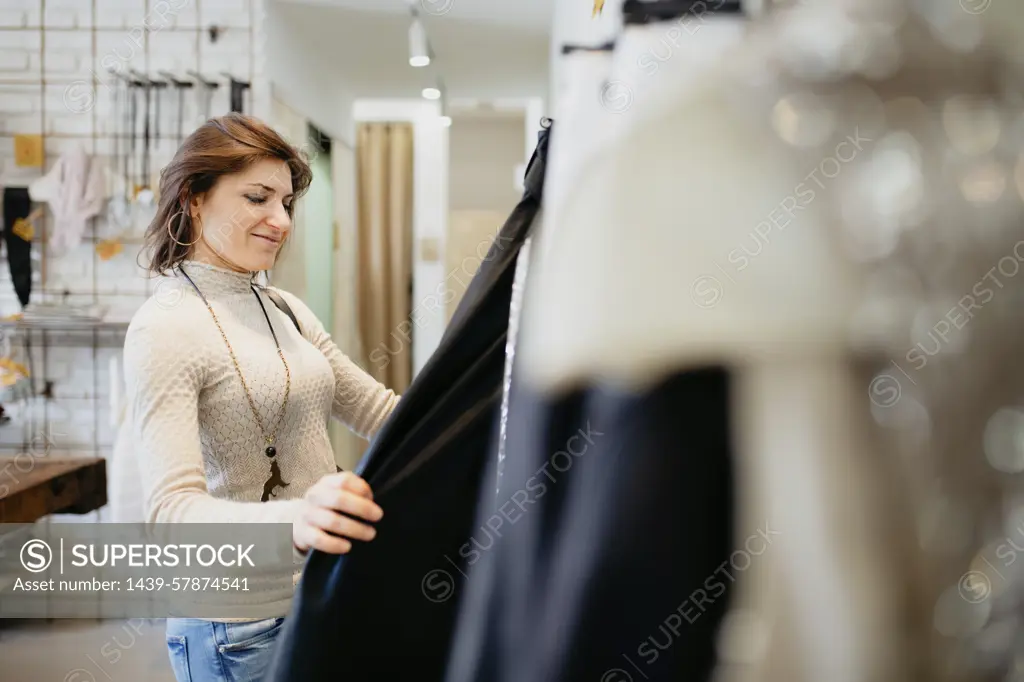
x=340 y=492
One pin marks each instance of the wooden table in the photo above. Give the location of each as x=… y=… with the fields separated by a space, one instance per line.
x=31 y=488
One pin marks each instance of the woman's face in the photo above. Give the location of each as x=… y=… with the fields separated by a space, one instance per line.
x=246 y=217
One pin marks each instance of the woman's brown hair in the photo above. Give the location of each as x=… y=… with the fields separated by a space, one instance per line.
x=222 y=146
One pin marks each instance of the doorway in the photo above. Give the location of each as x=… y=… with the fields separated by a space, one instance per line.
x=319 y=226
x=485 y=154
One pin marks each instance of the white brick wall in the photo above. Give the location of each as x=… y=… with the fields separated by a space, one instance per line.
x=76 y=41
x=73 y=14
x=20 y=13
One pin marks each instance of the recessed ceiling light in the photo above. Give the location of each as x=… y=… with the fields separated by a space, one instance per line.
x=431 y=93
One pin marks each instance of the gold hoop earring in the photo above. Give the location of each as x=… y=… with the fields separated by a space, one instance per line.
x=171 y=220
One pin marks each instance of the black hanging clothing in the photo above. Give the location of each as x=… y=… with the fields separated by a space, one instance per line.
x=616 y=562
x=386 y=611
x=18 y=204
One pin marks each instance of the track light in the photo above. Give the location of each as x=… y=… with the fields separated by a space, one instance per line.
x=419 y=49
x=445 y=118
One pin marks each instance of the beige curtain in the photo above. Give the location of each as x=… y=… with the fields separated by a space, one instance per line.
x=384 y=171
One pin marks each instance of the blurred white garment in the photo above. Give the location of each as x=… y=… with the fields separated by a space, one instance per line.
x=678 y=198
x=677 y=235
x=584 y=124
x=75 y=188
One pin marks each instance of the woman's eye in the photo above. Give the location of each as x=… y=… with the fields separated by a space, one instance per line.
x=256 y=200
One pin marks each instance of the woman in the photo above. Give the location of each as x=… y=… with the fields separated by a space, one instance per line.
x=230 y=400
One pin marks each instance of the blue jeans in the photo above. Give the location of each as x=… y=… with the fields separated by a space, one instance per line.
x=206 y=651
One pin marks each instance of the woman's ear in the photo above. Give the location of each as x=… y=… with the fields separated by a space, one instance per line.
x=195 y=205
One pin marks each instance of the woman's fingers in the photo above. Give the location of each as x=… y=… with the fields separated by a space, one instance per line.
x=324 y=520
x=345 y=501
x=330 y=544
x=333 y=522
x=356 y=484
x=346 y=480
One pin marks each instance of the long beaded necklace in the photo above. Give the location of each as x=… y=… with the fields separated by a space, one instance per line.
x=275 y=479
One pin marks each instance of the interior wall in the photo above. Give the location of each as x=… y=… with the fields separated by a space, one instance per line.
x=297 y=65
x=483 y=155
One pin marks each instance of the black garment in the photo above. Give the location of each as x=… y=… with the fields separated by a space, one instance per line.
x=238 y=95
x=615 y=563
x=17 y=204
x=386 y=611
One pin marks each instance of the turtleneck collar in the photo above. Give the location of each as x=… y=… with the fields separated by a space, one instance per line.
x=216 y=280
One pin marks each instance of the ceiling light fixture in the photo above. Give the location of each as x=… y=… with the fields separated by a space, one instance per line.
x=431 y=93
x=419 y=48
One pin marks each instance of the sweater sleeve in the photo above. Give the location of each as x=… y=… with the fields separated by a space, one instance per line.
x=163 y=377
x=360 y=401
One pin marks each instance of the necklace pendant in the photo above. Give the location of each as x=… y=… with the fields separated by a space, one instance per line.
x=271 y=451
x=273 y=483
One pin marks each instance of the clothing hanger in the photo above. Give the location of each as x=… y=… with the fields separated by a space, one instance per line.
x=570 y=48
x=635 y=12
x=144 y=193
x=179 y=86
x=205 y=95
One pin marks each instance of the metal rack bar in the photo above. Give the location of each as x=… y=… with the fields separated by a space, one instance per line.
x=69 y=29
x=86 y=136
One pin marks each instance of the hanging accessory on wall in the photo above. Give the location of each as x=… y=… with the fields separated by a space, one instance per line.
x=118 y=208
x=179 y=86
x=144 y=204
x=25 y=227
x=274 y=481
x=143 y=192
x=108 y=248
x=639 y=12
x=238 y=89
x=17 y=206
x=205 y=95
x=28 y=150
x=153 y=179
x=75 y=189
x=130 y=158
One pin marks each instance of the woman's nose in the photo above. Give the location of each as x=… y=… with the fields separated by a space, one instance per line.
x=279 y=219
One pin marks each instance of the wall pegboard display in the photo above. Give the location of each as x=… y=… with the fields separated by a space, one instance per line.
x=103 y=90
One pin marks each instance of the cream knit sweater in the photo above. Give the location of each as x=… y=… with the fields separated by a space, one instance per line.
x=200 y=450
